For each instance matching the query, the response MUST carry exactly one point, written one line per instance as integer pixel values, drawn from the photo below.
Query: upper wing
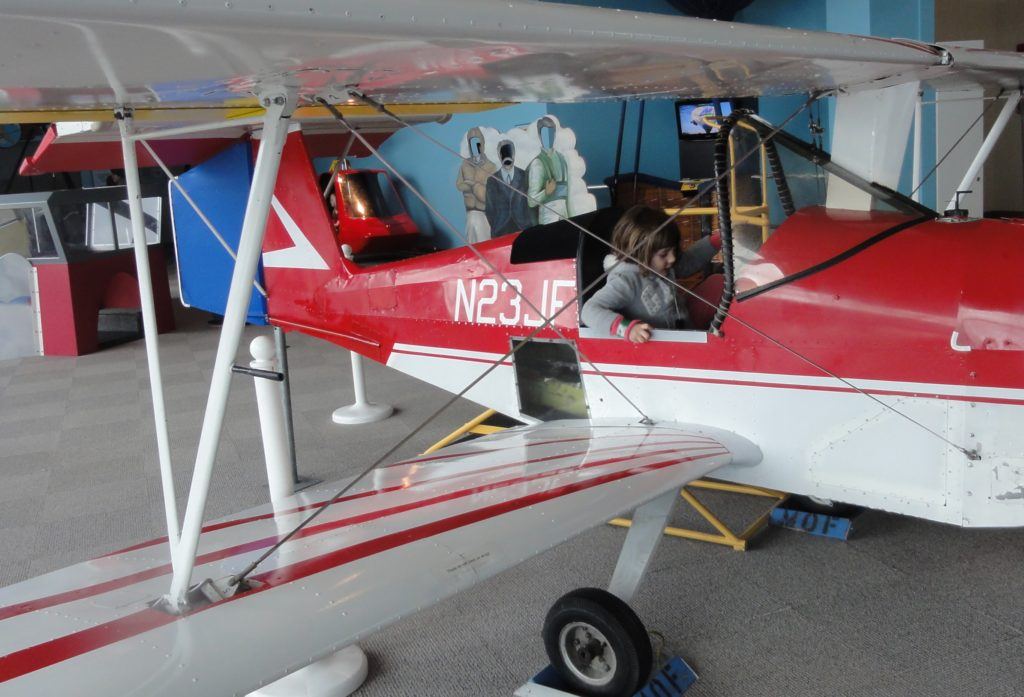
(101, 53)
(420, 531)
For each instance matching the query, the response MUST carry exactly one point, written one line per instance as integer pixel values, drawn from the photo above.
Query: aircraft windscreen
(370, 195)
(784, 178)
(102, 226)
(25, 231)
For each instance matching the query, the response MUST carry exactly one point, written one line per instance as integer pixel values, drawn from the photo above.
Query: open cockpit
(783, 210)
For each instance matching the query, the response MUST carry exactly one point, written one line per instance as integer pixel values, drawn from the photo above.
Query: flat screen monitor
(690, 116)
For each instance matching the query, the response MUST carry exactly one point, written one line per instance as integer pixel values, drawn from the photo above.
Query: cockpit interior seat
(710, 289)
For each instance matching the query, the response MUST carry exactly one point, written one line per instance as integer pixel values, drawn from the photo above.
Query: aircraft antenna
(703, 189)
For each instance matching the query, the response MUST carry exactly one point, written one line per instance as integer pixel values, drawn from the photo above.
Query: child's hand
(640, 333)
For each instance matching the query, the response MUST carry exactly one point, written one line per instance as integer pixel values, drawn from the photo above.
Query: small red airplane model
(855, 352)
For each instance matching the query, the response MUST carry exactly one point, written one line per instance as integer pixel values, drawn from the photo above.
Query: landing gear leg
(642, 541)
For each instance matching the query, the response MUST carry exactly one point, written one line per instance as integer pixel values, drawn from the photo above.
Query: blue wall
(911, 19)
(596, 124)
(433, 171)
(597, 131)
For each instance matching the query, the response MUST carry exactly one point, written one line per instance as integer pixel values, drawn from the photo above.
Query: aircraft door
(548, 380)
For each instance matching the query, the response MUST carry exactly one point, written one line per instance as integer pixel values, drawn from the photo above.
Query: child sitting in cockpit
(634, 300)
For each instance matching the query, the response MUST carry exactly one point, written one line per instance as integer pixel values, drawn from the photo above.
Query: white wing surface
(418, 532)
(76, 54)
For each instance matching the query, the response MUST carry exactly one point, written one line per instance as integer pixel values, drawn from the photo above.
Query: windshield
(369, 195)
(25, 231)
(780, 178)
(105, 225)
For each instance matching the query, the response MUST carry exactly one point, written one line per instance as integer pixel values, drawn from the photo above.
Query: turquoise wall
(910, 19)
(596, 124)
(597, 131)
(433, 170)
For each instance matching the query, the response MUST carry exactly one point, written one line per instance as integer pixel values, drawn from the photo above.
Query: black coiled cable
(724, 219)
(779, 175)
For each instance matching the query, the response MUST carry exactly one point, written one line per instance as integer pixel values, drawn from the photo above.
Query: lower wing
(403, 539)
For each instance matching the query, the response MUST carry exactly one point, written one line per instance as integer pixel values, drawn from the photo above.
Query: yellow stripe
(236, 111)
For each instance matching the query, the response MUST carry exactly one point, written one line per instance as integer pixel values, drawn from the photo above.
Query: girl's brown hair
(640, 232)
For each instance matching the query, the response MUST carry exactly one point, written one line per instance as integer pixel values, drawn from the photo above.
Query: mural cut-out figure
(472, 182)
(548, 175)
(507, 209)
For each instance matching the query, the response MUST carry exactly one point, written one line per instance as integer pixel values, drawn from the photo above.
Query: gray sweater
(628, 295)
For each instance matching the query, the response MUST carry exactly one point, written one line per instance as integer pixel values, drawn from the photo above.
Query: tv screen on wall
(690, 117)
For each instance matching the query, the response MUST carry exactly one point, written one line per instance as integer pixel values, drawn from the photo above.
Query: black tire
(587, 621)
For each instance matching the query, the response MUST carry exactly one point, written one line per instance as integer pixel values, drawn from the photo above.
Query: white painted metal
(870, 139)
(160, 53)
(18, 307)
(841, 449)
(420, 531)
(145, 281)
(968, 182)
(37, 311)
(173, 179)
(338, 675)
(362, 411)
(272, 424)
(642, 540)
(279, 106)
(199, 128)
(958, 141)
(915, 177)
(532, 689)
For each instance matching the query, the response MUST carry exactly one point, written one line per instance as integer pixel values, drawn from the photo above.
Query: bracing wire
(970, 454)
(487, 262)
(548, 321)
(240, 577)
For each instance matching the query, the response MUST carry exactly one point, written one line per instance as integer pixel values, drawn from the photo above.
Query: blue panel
(674, 679)
(220, 186)
(818, 524)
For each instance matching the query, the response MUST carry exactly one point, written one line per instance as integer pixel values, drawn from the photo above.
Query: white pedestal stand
(280, 477)
(338, 675)
(362, 412)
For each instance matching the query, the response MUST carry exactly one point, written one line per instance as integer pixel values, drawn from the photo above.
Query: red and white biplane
(853, 353)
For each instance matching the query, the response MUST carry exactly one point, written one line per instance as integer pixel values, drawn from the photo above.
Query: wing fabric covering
(412, 534)
(82, 54)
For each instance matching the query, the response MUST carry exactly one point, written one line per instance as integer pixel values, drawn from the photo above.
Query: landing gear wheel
(597, 644)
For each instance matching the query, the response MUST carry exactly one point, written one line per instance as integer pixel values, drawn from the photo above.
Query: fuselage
(909, 320)
(866, 353)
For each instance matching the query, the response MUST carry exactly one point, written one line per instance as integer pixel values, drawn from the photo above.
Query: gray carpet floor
(903, 608)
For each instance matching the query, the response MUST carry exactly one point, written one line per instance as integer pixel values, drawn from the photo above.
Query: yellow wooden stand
(476, 426)
(725, 535)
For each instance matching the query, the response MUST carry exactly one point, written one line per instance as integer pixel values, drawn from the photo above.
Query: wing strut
(645, 533)
(125, 123)
(279, 106)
